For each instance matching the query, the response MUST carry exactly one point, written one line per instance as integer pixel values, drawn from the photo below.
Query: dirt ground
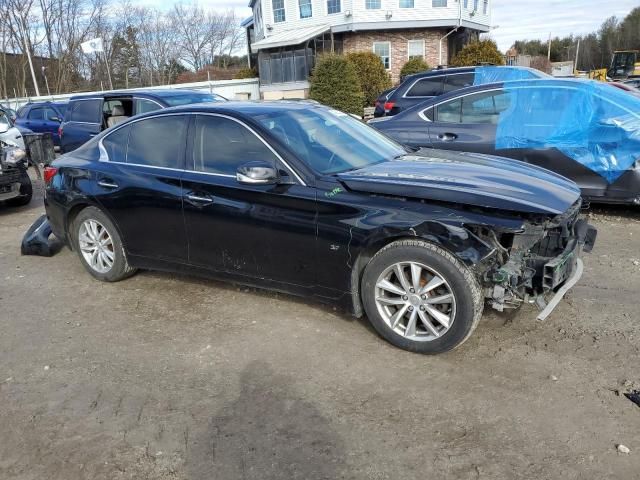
(172, 377)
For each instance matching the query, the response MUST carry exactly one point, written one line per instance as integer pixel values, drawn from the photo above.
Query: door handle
(107, 184)
(199, 200)
(447, 137)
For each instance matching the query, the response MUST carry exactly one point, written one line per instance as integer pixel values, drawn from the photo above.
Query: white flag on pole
(92, 46)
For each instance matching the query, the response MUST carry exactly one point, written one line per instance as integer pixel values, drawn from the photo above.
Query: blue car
(87, 115)
(41, 117)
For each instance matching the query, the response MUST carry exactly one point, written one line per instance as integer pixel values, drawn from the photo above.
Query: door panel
(469, 138)
(266, 232)
(141, 187)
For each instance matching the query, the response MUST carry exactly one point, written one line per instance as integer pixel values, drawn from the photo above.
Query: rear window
(89, 111)
(426, 87)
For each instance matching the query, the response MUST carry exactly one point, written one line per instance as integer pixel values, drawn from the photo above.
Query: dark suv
(88, 115)
(425, 85)
(42, 117)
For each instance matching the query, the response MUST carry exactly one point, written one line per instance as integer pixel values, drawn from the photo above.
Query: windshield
(330, 141)
(186, 99)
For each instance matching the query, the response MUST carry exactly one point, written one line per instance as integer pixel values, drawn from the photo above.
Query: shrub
(478, 52)
(335, 83)
(246, 73)
(372, 76)
(414, 65)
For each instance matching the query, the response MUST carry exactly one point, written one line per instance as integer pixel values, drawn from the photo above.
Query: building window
(333, 6)
(406, 4)
(372, 4)
(475, 5)
(466, 3)
(278, 11)
(415, 48)
(305, 8)
(485, 7)
(383, 50)
(439, 3)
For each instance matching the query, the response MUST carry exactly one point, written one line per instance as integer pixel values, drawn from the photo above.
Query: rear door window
(484, 107)
(87, 111)
(458, 81)
(426, 87)
(449, 112)
(158, 141)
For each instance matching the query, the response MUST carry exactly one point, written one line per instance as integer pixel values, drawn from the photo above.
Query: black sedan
(584, 130)
(304, 199)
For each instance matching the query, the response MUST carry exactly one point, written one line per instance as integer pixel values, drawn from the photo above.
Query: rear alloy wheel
(96, 246)
(420, 297)
(99, 246)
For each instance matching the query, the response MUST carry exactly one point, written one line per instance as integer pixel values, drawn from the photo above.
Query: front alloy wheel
(420, 297)
(415, 301)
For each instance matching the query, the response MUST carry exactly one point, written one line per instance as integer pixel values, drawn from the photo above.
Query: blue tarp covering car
(599, 126)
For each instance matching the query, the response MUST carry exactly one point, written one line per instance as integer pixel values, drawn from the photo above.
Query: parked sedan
(42, 117)
(417, 88)
(300, 198)
(584, 130)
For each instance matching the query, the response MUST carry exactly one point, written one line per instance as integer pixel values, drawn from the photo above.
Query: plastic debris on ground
(634, 396)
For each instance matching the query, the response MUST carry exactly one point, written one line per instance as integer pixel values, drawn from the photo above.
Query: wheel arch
(456, 239)
(75, 210)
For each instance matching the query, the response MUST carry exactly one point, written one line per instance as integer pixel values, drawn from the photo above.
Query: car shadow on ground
(269, 431)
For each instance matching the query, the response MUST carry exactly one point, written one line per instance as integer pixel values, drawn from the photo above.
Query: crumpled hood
(467, 178)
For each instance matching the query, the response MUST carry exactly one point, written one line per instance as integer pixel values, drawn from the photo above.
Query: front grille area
(10, 175)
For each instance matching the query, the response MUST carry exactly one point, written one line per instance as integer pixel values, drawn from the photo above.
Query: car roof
(153, 94)
(240, 108)
(534, 82)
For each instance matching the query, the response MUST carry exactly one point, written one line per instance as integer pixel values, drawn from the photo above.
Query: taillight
(49, 173)
(60, 131)
(388, 106)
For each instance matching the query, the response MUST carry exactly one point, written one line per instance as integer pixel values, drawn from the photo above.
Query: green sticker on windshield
(333, 192)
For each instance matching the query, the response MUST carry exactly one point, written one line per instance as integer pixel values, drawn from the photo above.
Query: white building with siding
(285, 36)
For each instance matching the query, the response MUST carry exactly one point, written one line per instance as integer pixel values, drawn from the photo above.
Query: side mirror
(4, 124)
(257, 173)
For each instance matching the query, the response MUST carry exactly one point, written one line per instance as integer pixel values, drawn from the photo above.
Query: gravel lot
(172, 377)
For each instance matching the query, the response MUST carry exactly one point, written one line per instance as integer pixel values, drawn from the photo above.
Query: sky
(516, 20)
(511, 19)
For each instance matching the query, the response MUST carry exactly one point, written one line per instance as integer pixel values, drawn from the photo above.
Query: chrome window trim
(104, 156)
(404, 95)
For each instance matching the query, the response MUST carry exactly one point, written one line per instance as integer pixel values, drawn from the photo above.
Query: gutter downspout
(452, 31)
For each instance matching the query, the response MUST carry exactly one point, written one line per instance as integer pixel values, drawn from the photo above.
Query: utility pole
(549, 48)
(577, 54)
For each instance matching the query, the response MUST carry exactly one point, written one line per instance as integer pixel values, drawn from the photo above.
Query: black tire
(460, 279)
(26, 192)
(120, 268)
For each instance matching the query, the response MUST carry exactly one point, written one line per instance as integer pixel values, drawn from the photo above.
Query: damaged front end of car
(537, 263)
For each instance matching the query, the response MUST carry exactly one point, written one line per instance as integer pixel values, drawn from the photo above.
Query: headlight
(13, 156)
